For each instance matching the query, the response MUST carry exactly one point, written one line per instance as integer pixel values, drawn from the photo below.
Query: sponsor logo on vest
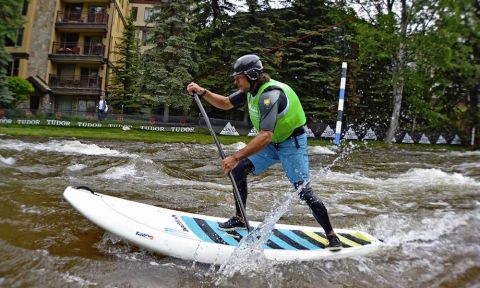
(144, 235)
(230, 130)
(88, 124)
(28, 122)
(58, 122)
(6, 121)
(253, 111)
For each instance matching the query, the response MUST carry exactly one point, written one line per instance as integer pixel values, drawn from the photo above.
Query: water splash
(234, 147)
(320, 150)
(8, 161)
(248, 257)
(69, 278)
(345, 151)
(63, 146)
(76, 167)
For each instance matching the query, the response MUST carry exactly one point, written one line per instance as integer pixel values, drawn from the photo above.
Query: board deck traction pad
(283, 239)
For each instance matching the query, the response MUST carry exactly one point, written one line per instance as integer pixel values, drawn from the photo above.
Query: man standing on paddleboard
(277, 114)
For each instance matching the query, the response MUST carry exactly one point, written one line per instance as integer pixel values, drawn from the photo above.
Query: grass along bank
(201, 137)
(109, 134)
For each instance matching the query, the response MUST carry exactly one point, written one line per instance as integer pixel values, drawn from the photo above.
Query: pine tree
(250, 32)
(212, 21)
(311, 64)
(125, 93)
(172, 62)
(10, 21)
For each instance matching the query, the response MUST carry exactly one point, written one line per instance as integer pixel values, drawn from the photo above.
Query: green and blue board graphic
(284, 239)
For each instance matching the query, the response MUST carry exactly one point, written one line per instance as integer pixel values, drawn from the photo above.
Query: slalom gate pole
(236, 194)
(341, 99)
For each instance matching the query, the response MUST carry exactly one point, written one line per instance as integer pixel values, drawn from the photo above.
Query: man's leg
(254, 164)
(294, 157)
(240, 173)
(319, 210)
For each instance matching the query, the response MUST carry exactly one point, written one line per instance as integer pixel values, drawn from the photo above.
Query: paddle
(236, 194)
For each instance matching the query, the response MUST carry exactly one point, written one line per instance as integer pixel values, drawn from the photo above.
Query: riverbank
(200, 137)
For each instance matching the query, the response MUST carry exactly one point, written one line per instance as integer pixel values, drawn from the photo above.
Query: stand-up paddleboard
(197, 237)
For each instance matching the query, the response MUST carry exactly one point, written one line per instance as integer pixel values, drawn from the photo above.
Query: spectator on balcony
(102, 108)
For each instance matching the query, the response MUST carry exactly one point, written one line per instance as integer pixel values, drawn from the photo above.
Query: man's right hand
(195, 88)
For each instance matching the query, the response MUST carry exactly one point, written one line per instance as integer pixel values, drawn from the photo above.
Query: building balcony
(75, 85)
(74, 52)
(82, 22)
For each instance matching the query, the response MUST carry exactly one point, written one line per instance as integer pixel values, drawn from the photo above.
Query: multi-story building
(66, 49)
(142, 11)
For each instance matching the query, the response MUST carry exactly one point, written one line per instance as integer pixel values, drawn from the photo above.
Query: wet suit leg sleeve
(319, 210)
(240, 173)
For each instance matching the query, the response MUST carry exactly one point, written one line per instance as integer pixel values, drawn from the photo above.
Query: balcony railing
(78, 48)
(87, 18)
(75, 82)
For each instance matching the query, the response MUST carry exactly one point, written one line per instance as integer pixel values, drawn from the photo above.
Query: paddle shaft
(236, 194)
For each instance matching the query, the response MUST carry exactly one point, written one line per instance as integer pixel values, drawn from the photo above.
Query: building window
(73, 12)
(148, 14)
(13, 67)
(135, 13)
(25, 7)
(18, 39)
(86, 105)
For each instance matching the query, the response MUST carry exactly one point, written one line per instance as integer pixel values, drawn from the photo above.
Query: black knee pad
(306, 194)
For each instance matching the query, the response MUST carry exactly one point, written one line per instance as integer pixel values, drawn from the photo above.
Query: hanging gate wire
(302, 38)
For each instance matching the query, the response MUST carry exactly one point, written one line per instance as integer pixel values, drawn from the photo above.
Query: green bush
(21, 89)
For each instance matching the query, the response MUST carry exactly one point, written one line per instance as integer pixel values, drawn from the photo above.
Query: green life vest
(294, 118)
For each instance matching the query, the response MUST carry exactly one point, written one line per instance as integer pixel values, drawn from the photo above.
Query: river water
(424, 204)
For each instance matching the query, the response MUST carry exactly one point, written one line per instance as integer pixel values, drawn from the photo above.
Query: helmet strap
(253, 86)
